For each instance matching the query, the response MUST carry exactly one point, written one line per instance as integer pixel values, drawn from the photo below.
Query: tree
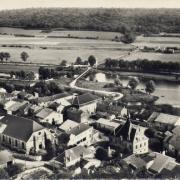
(78, 61)
(92, 60)
(117, 82)
(133, 83)
(150, 87)
(63, 63)
(7, 56)
(101, 154)
(128, 38)
(24, 56)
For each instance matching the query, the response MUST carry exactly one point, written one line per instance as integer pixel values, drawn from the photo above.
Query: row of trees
(149, 86)
(22, 75)
(4, 56)
(143, 65)
(99, 19)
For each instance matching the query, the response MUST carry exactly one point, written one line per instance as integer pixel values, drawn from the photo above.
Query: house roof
(68, 125)
(176, 130)
(108, 123)
(160, 161)
(52, 98)
(84, 99)
(44, 113)
(16, 106)
(167, 119)
(135, 161)
(5, 156)
(79, 129)
(129, 130)
(77, 152)
(175, 141)
(19, 127)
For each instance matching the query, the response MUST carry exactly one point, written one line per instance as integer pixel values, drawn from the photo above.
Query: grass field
(157, 41)
(154, 56)
(82, 34)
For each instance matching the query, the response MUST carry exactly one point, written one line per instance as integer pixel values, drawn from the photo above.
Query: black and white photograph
(89, 89)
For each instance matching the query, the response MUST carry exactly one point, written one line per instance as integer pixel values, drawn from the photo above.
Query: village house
(47, 115)
(23, 134)
(74, 155)
(81, 135)
(13, 107)
(75, 114)
(47, 100)
(6, 159)
(172, 143)
(153, 162)
(86, 102)
(107, 125)
(164, 121)
(68, 125)
(133, 138)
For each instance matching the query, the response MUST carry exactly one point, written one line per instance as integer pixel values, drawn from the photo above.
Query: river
(168, 92)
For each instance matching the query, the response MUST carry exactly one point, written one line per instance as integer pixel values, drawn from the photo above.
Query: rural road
(116, 95)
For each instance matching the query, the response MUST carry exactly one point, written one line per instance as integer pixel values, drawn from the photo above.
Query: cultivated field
(154, 56)
(157, 41)
(82, 34)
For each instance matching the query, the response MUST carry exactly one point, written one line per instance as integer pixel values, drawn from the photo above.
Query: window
(16, 143)
(145, 143)
(136, 147)
(3, 138)
(23, 145)
(10, 141)
(39, 133)
(140, 145)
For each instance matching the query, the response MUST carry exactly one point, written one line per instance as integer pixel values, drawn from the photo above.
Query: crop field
(56, 56)
(81, 34)
(154, 56)
(157, 41)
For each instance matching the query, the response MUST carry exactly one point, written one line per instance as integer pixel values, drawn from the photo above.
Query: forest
(99, 19)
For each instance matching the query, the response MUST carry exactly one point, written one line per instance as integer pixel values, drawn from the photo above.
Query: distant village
(84, 135)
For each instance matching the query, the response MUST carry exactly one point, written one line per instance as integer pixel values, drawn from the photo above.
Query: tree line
(143, 65)
(99, 19)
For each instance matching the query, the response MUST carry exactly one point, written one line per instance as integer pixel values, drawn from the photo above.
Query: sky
(18, 4)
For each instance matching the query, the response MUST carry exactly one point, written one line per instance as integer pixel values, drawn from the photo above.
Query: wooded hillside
(120, 20)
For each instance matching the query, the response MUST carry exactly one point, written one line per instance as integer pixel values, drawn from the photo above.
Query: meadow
(154, 56)
(58, 49)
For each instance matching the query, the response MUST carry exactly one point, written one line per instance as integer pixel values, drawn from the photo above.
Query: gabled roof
(19, 127)
(52, 98)
(79, 129)
(68, 125)
(44, 113)
(175, 141)
(167, 119)
(84, 99)
(160, 161)
(77, 152)
(129, 130)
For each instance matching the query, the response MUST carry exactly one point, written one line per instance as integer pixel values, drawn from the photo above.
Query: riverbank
(145, 76)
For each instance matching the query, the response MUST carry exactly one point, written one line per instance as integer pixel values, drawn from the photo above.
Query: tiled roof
(79, 129)
(135, 161)
(108, 122)
(52, 98)
(77, 152)
(68, 125)
(84, 99)
(175, 141)
(44, 113)
(160, 161)
(167, 119)
(19, 127)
